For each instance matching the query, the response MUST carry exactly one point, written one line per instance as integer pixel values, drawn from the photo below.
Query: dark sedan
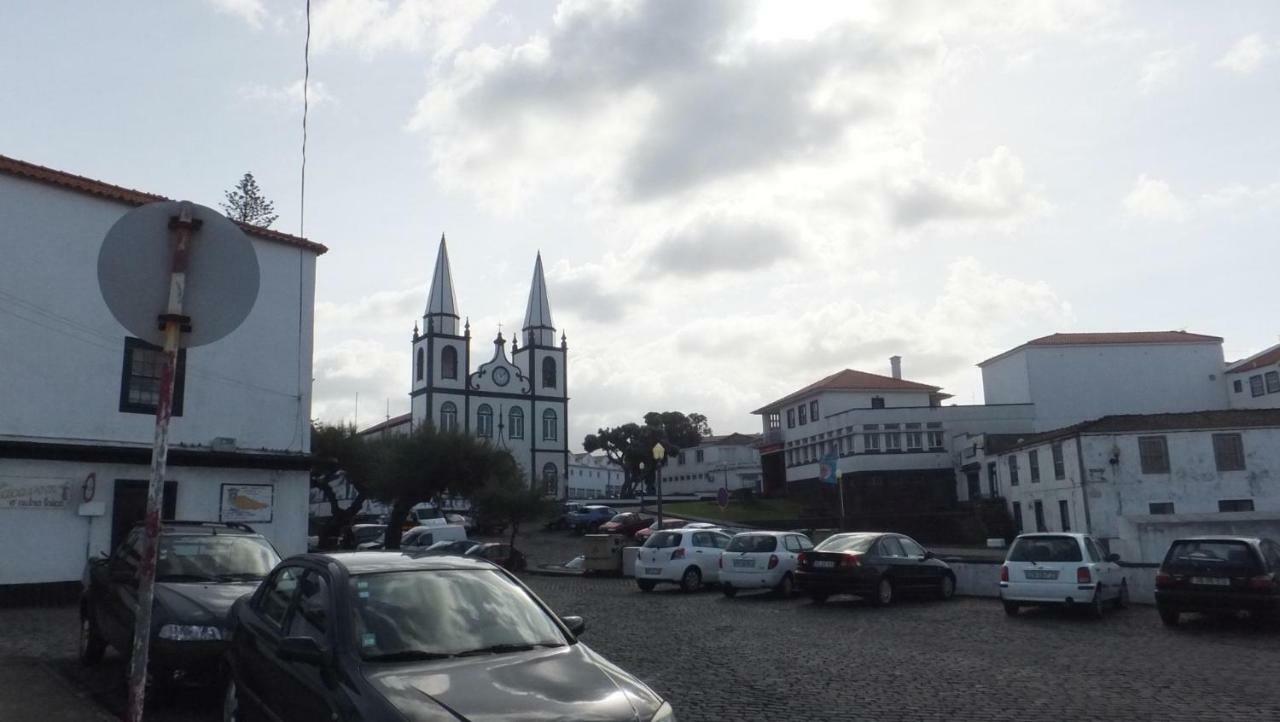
(1219, 574)
(876, 566)
(387, 636)
(201, 570)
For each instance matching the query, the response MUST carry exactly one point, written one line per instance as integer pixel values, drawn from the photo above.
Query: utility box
(629, 555)
(603, 553)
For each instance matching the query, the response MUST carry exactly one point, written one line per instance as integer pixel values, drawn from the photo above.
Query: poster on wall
(247, 503)
(31, 494)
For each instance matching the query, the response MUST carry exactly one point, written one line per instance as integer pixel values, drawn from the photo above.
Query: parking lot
(758, 657)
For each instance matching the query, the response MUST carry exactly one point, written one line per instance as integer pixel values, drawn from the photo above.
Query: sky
(732, 198)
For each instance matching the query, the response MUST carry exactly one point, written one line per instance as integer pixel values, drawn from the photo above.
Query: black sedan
(873, 565)
(388, 636)
(1219, 574)
(201, 570)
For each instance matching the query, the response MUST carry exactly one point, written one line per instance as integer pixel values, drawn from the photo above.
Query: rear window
(1046, 549)
(754, 543)
(1218, 553)
(846, 543)
(664, 540)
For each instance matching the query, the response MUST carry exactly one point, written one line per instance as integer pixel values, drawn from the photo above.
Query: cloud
(587, 292)
(359, 366)
(1159, 71)
(992, 189)
(400, 306)
(713, 244)
(1152, 199)
(253, 12)
(289, 95)
(1244, 197)
(1246, 55)
(375, 26)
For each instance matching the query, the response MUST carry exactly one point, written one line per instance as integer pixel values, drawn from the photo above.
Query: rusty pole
(173, 323)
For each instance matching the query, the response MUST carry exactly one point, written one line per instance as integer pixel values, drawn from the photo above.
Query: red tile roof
(850, 380)
(129, 196)
(1270, 357)
(1110, 339)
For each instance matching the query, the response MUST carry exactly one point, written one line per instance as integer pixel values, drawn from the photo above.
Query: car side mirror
(1113, 558)
(576, 625)
(929, 555)
(300, 649)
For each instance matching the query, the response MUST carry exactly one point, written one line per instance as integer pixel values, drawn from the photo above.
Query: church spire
(538, 326)
(442, 306)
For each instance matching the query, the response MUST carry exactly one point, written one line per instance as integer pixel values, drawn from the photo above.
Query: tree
(509, 500)
(246, 204)
(340, 454)
(630, 445)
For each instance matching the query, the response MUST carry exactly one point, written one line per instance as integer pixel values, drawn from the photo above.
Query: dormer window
(877, 402)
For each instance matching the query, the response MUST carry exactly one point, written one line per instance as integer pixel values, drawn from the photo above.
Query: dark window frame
(1220, 460)
(1033, 461)
(448, 362)
(877, 402)
(131, 345)
(550, 425)
(448, 416)
(1059, 461)
(1235, 505)
(1161, 507)
(1064, 514)
(1017, 516)
(1257, 386)
(802, 414)
(484, 421)
(515, 430)
(1013, 469)
(1037, 506)
(1237, 386)
(1153, 454)
(419, 364)
(813, 409)
(1273, 381)
(550, 372)
(791, 418)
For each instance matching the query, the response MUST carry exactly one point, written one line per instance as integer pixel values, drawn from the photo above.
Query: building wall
(732, 466)
(1244, 398)
(831, 402)
(592, 477)
(1049, 490)
(1007, 380)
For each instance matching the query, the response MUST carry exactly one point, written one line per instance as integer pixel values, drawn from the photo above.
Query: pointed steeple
(538, 326)
(442, 307)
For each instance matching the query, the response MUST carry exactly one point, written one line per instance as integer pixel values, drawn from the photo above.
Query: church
(518, 402)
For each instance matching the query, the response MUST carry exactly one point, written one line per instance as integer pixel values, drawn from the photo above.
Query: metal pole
(172, 321)
(657, 469)
(840, 486)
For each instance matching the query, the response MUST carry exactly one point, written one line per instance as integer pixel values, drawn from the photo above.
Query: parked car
(561, 520)
(401, 637)
(461, 546)
(762, 560)
(201, 569)
(643, 535)
(879, 567)
(1061, 569)
(500, 553)
(590, 517)
(689, 558)
(626, 524)
(368, 537)
(421, 537)
(1219, 574)
(461, 520)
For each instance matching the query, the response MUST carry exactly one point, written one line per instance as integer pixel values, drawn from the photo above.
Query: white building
(1254, 382)
(593, 476)
(729, 461)
(78, 400)
(1139, 481)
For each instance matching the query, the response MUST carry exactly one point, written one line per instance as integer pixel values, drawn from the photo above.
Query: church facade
(519, 402)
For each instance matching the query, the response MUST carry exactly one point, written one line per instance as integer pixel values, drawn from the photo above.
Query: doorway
(129, 506)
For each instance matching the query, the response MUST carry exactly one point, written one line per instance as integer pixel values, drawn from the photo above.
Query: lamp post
(658, 453)
(642, 487)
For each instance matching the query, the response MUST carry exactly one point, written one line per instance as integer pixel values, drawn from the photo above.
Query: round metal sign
(135, 264)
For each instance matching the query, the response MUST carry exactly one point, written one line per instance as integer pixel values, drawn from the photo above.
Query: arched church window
(515, 423)
(418, 364)
(550, 425)
(548, 373)
(550, 482)
(484, 421)
(449, 362)
(448, 416)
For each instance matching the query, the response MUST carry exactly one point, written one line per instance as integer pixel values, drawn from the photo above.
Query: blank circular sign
(136, 261)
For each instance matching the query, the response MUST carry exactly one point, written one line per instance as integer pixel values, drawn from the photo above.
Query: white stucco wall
(1007, 380)
(735, 466)
(1049, 490)
(1244, 399)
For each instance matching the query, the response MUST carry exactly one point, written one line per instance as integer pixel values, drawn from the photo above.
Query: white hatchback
(688, 557)
(1061, 568)
(761, 560)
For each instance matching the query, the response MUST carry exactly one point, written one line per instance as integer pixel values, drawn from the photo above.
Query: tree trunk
(341, 519)
(515, 527)
(395, 522)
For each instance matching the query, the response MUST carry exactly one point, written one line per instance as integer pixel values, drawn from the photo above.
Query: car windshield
(191, 557)
(754, 543)
(1046, 549)
(664, 540)
(425, 614)
(846, 543)
(369, 534)
(1217, 552)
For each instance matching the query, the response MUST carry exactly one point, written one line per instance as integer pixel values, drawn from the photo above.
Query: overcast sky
(732, 199)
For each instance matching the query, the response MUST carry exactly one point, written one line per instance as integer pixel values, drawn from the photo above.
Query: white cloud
(1241, 197)
(1159, 70)
(364, 367)
(1246, 55)
(289, 95)
(992, 189)
(374, 26)
(1152, 199)
(253, 12)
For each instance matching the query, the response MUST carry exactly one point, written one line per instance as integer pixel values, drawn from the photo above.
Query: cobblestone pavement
(758, 657)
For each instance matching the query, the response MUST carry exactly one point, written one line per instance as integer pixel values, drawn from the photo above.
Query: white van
(421, 537)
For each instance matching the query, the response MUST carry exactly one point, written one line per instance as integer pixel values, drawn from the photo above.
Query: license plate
(653, 570)
(1041, 574)
(824, 564)
(1212, 581)
(744, 562)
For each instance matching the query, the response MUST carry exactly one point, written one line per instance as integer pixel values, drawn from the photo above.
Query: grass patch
(755, 510)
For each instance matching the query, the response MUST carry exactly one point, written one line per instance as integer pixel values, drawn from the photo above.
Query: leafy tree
(510, 500)
(340, 454)
(632, 444)
(245, 203)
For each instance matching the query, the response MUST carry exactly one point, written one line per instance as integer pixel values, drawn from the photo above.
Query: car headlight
(664, 714)
(190, 633)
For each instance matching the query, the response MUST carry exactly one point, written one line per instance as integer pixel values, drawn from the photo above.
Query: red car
(643, 535)
(626, 524)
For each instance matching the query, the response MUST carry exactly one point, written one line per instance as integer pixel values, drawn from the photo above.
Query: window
(1039, 508)
(275, 599)
(871, 442)
(910, 547)
(698, 456)
(680, 459)
(550, 425)
(1228, 452)
(548, 373)
(1160, 507)
(892, 441)
(515, 423)
(915, 440)
(1237, 385)
(1256, 386)
(140, 378)
(1273, 382)
(992, 481)
(1046, 549)
(1091, 547)
(877, 402)
(1013, 470)
(1033, 458)
(418, 364)
(1063, 515)
(448, 416)
(813, 409)
(1017, 516)
(935, 440)
(1235, 505)
(1153, 454)
(449, 362)
(311, 615)
(800, 411)
(891, 547)
(791, 418)
(1059, 467)
(550, 482)
(774, 420)
(484, 421)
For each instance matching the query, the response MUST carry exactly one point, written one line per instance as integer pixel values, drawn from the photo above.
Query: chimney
(895, 366)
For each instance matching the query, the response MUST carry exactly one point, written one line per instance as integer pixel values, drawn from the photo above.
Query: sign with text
(20, 493)
(247, 503)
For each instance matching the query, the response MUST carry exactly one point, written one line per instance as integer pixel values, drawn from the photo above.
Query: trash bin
(603, 553)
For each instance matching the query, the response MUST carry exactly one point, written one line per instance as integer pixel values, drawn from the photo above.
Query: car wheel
(1096, 607)
(729, 591)
(92, 645)
(1169, 617)
(231, 703)
(947, 587)
(691, 581)
(1011, 608)
(883, 596)
(785, 587)
(818, 597)
(646, 585)
(1122, 599)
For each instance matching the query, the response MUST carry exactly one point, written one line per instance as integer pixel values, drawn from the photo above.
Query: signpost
(178, 275)
(722, 497)
(829, 473)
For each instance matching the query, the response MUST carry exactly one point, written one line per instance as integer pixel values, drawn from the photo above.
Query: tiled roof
(1270, 357)
(129, 196)
(1188, 421)
(734, 439)
(850, 380)
(1111, 339)
(389, 423)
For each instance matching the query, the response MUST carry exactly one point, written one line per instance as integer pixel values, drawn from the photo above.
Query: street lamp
(642, 487)
(658, 453)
